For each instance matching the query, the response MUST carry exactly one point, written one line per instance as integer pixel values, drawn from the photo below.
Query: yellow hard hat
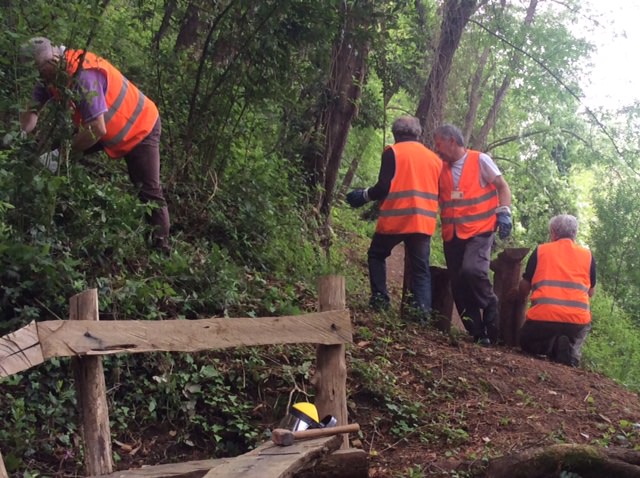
(302, 415)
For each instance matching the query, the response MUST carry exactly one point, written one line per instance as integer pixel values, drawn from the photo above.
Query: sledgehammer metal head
(284, 437)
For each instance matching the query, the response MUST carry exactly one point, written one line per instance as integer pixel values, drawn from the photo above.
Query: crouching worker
(111, 114)
(561, 277)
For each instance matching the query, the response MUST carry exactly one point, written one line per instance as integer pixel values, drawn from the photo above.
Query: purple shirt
(91, 86)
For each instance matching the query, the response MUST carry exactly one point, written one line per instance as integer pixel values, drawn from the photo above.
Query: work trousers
(418, 249)
(468, 264)
(539, 337)
(143, 165)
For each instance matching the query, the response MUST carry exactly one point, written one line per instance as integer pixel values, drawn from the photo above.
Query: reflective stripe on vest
(130, 115)
(411, 206)
(560, 284)
(472, 214)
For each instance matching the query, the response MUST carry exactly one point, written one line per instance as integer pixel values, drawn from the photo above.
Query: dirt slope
(479, 402)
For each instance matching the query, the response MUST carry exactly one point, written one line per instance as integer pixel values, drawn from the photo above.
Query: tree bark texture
(348, 73)
(455, 17)
(584, 460)
(189, 28)
(344, 88)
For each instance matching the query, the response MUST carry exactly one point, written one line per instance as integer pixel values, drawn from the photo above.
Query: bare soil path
(481, 402)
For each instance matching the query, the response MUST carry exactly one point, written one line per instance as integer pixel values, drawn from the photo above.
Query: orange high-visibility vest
(130, 116)
(560, 285)
(412, 203)
(468, 210)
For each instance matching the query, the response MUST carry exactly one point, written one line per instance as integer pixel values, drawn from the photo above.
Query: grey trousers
(468, 264)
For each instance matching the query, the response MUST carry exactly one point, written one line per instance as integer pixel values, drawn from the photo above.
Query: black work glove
(358, 198)
(504, 224)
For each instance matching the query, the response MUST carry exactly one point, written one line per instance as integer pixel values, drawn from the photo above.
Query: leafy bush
(613, 345)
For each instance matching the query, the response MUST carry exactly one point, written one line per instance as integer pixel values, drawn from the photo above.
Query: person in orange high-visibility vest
(474, 201)
(561, 277)
(110, 113)
(408, 190)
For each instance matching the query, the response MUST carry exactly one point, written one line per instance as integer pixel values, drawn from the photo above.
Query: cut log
(350, 463)
(584, 460)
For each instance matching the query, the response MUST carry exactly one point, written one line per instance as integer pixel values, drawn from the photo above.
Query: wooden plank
(272, 461)
(61, 338)
(188, 469)
(91, 393)
(20, 350)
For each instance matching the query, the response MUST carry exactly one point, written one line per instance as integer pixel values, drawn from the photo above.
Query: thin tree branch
(590, 113)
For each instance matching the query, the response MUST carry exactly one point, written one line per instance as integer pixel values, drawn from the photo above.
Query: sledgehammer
(284, 437)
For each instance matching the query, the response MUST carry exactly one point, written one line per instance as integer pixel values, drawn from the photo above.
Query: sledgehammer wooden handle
(284, 437)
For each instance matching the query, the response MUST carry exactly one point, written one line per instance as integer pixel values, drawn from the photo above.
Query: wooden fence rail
(86, 339)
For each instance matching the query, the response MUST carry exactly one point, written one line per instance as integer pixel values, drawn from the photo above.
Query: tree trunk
(188, 34)
(480, 140)
(455, 17)
(169, 8)
(475, 95)
(353, 167)
(344, 88)
(349, 68)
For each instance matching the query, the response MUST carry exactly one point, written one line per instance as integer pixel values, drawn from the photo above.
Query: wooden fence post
(91, 394)
(3, 470)
(507, 268)
(330, 378)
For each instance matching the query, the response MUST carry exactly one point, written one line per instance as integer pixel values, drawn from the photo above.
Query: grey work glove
(50, 160)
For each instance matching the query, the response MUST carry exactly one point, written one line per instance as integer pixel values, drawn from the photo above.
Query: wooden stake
(507, 269)
(91, 393)
(330, 378)
(3, 470)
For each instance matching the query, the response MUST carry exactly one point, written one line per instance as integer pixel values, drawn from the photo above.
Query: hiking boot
(484, 342)
(563, 351)
(379, 303)
(490, 320)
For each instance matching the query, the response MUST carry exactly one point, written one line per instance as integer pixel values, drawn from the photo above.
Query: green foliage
(39, 415)
(613, 346)
(614, 239)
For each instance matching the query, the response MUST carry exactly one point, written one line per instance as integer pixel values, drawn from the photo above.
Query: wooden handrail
(40, 341)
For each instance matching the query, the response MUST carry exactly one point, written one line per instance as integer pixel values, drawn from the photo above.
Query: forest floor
(484, 402)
